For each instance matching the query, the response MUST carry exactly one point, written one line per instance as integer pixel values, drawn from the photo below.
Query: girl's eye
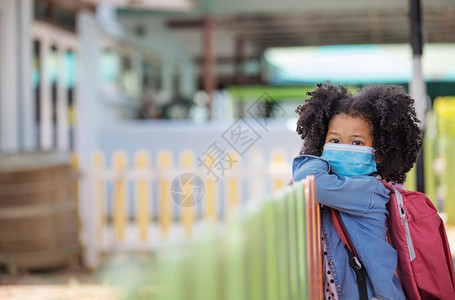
(335, 141)
(357, 143)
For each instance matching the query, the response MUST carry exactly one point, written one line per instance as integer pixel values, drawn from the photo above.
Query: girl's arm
(353, 195)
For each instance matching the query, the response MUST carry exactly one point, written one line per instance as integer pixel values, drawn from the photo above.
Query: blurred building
(159, 53)
(76, 75)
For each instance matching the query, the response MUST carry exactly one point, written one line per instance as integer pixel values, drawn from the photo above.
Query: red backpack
(425, 267)
(417, 233)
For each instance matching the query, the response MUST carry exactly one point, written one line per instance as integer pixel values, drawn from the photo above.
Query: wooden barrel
(38, 216)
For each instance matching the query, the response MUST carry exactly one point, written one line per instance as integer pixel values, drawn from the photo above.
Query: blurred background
(127, 126)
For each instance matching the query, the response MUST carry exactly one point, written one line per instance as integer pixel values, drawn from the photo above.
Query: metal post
(209, 79)
(87, 128)
(417, 86)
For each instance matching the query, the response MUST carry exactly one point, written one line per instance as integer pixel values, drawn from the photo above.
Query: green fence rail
(268, 250)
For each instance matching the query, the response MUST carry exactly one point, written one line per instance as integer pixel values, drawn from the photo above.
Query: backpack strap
(354, 261)
(402, 212)
(387, 185)
(341, 230)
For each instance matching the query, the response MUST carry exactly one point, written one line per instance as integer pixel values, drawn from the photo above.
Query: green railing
(440, 156)
(268, 250)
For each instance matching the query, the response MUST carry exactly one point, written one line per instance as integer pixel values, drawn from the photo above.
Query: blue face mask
(349, 160)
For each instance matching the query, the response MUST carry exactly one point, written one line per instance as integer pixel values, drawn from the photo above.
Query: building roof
(266, 23)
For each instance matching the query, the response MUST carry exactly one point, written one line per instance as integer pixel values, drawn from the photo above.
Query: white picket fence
(130, 206)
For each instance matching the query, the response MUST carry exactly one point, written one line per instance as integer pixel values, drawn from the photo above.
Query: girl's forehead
(344, 122)
(343, 117)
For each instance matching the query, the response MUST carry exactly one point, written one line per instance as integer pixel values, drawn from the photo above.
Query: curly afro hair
(388, 110)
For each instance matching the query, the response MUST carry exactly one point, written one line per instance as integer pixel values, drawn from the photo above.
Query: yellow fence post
(278, 166)
(187, 163)
(212, 207)
(233, 185)
(142, 193)
(164, 164)
(99, 163)
(120, 218)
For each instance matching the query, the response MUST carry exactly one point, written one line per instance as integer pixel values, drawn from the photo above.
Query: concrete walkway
(451, 236)
(56, 285)
(82, 285)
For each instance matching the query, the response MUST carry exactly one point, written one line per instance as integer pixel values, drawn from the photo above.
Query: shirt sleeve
(354, 195)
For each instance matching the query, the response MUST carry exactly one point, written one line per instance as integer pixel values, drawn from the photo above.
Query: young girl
(349, 143)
